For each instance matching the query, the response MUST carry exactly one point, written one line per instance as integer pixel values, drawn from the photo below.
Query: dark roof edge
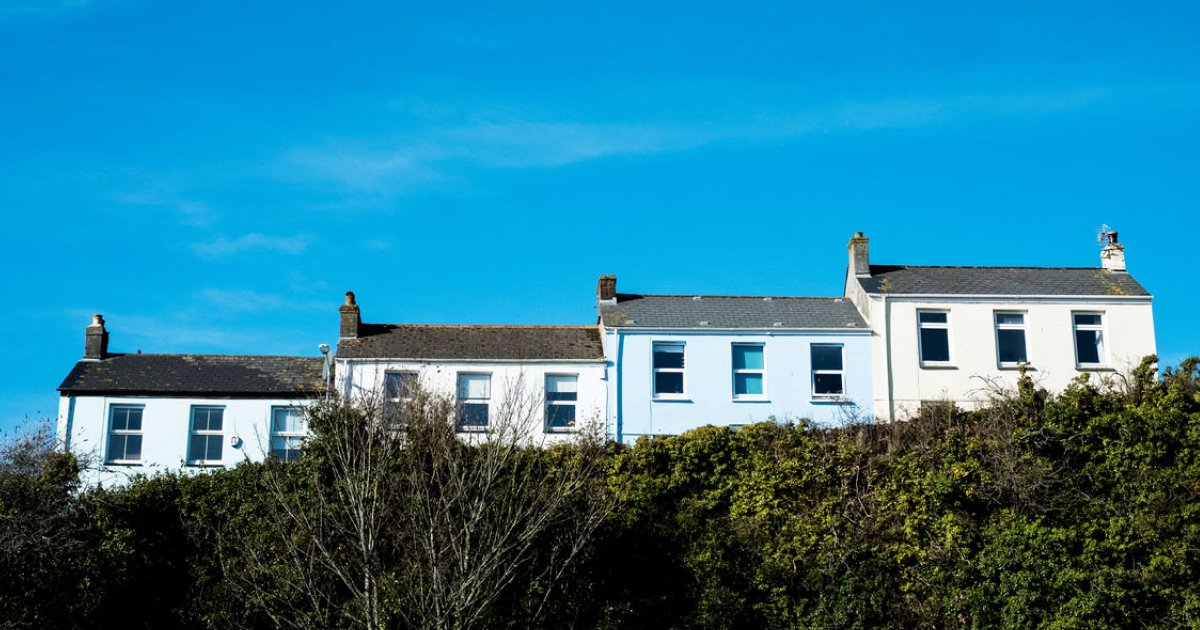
(305, 395)
(735, 297)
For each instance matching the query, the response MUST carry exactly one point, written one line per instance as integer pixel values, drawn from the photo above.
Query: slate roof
(1068, 281)
(199, 374)
(714, 311)
(485, 343)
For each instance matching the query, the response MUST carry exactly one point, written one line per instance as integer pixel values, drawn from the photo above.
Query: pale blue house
(676, 362)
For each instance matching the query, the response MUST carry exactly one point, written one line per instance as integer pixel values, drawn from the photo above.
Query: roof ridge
(522, 326)
(113, 355)
(989, 267)
(744, 297)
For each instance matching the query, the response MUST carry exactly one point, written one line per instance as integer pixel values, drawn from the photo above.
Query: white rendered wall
(509, 379)
(708, 381)
(83, 424)
(975, 370)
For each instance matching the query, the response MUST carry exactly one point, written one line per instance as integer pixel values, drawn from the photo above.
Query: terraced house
(899, 337)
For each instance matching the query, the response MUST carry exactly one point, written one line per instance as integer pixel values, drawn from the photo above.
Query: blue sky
(213, 176)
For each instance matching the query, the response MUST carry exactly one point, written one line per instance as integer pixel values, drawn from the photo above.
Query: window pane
(1011, 346)
(474, 386)
(196, 448)
(748, 384)
(1087, 346)
(560, 415)
(668, 356)
(213, 452)
(1087, 319)
(562, 384)
(473, 415)
(827, 384)
(286, 420)
(399, 384)
(1010, 318)
(935, 344)
(827, 357)
(570, 396)
(932, 318)
(668, 383)
(116, 447)
(133, 447)
(120, 418)
(747, 357)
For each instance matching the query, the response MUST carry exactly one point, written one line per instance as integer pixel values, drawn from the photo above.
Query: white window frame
(192, 432)
(655, 371)
(399, 374)
(921, 326)
(464, 401)
(1023, 327)
(735, 371)
(813, 369)
(288, 436)
(111, 432)
(1102, 334)
(574, 404)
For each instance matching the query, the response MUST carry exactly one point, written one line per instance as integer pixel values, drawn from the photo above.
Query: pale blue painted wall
(633, 411)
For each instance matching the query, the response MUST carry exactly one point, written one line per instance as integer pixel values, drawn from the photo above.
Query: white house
(676, 362)
(956, 333)
(142, 413)
(549, 379)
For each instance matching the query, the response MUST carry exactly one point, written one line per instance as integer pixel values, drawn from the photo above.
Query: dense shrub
(1079, 510)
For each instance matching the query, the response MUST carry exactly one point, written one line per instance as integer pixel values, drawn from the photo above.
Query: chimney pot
(606, 288)
(860, 257)
(96, 339)
(350, 316)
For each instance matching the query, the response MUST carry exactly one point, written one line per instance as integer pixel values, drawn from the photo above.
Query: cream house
(956, 333)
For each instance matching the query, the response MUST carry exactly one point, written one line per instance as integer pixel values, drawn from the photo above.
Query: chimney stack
(350, 317)
(860, 257)
(1112, 257)
(95, 345)
(606, 289)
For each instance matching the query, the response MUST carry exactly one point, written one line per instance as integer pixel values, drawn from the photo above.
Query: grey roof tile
(201, 374)
(1065, 281)
(709, 311)
(496, 343)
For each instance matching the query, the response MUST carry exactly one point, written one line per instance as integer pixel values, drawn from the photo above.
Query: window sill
(471, 429)
(751, 399)
(938, 366)
(123, 463)
(568, 430)
(204, 465)
(1095, 368)
(1018, 366)
(671, 399)
(831, 400)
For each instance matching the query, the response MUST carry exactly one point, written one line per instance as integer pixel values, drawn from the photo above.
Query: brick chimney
(95, 345)
(606, 289)
(860, 257)
(350, 317)
(1112, 257)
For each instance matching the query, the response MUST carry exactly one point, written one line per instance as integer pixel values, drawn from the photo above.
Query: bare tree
(391, 518)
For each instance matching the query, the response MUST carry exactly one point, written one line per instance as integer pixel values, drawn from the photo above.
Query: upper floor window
(399, 386)
(474, 397)
(1010, 339)
(933, 337)
(748, 371)
(204, 444)
(828, 374)
(287, 432)
(125, 435)
(562, 393)
(668, 369)
(1089, 339)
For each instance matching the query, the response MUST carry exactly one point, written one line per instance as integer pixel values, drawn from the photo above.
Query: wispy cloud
(426, 156)
(190, 212)
(181, 331)
(40, 8)
(250, 301)
(224, 246)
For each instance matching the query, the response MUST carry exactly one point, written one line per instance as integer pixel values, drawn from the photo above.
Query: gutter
(887, 335)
